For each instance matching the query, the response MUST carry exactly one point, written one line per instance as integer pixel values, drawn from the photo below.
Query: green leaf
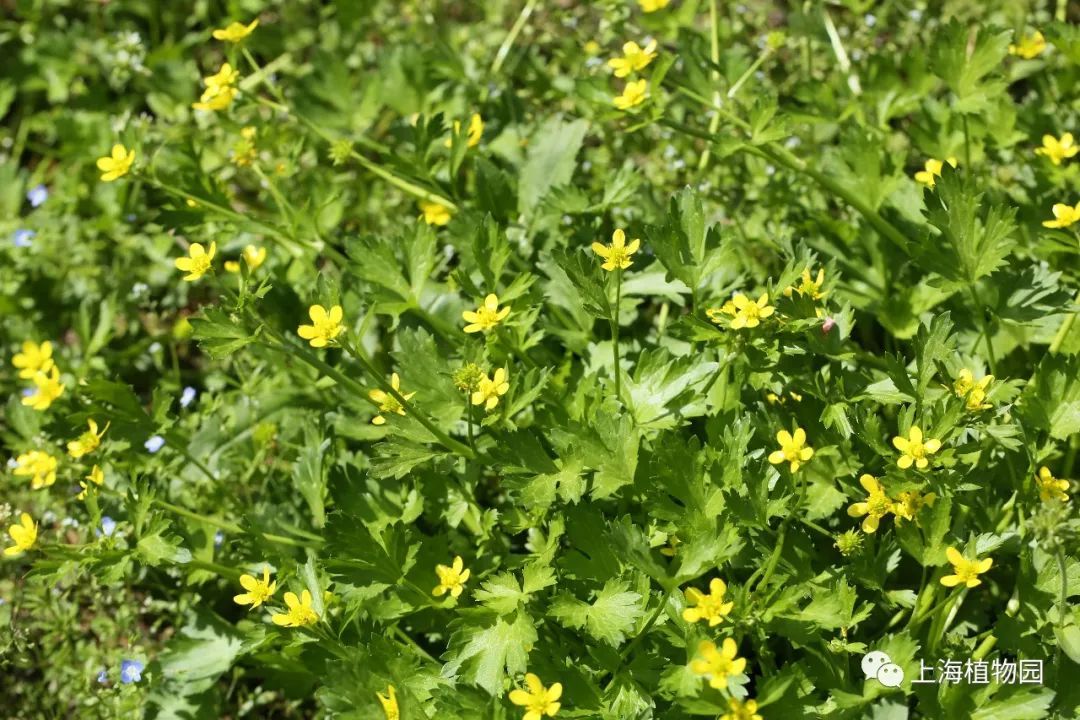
(608, 618)
(967, 57)
(933, 345)
(503, 594)
(203, 650)
(689, 249)
(1051, 401)
(219, 333)
(1031, 703)
(485, 655)
(550, 161)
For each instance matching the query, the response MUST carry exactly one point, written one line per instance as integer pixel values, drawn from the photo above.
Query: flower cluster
(221, 89)
(634, 60)
(906, 505)
(35, 363)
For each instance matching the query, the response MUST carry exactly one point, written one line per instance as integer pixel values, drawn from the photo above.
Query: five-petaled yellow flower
(198, 262)
(633, 94)
(96, 477)
(932, 171)
(808, 285)
(235, 32)
(325, 325)
(1050, 487)
(634, 58)
(966, 571)
(220, 89)
(1058, 150)
(709, 607)
(973, 392)
(538, 701)
(748, 313)
(389, 703)
(47, 388)
(717, 664)
(913, 450)
(451, 579)
(37, 465)
(87, 442)
(653, 5)
(793, 449)
(491, 389)
(617, 255)
(1030, 46)
(909, 503)
(387, 402)
(435, 213)
(741, 710)
(299, 612)
(1064, 215)
(486, 316)
(253, 258)
(24, 535)
(33, 359)
(258, 591)
(472, 139)
(117, 164)
(876, 506)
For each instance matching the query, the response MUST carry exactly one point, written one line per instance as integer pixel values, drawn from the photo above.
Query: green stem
(469, 420)
(615, 336)
(980, 310)
(733, 91)
(1063, 570)
(511, 37)
(714, 55)
(1066, 326)
(967, 144)
(230, 527)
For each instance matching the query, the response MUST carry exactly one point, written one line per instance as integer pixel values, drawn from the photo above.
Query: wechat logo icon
(876, 665)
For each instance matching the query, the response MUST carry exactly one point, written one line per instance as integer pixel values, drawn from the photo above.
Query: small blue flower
(37, 195)
(131, 671)
(187, 397)
(108, 526)
(154, 444)
(219, 538)
(103, 676)
(27, 392)
(23, 238)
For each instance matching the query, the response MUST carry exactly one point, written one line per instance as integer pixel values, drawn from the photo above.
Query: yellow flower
(1058, 150)
(716, 315)
(633, 94)
(23, 535)
(235, 32)
(653, 5)
(451, 579)
(1030, 46)
(1064, 216)
(220, 89)
(387, 402)
(634, 58)
(258, 591)
(116, 165)
(792, 449)
(976, 394)
(476, 131)
(933, 169)
(300, 612)
(37, 465)
(87, 442)
(538, 701)
(876, 506)
(914, 450)
(809, 286)
(486, 316)
(717, 665)
(741, 710)
(199, 261)
(435, 213)
(748, 314)
(47, 389)
(966, 571)
(253, 258)
(617, 255)
(1050, 488)
(491, 389)
(909, 503)
(710, 607)
(33, 359)
(389, 703)
(326, 325)
(96, 477)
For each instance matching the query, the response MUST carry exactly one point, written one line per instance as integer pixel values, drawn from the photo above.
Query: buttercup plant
(631, 360)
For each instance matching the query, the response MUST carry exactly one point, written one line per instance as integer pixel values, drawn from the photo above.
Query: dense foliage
(518, 359)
